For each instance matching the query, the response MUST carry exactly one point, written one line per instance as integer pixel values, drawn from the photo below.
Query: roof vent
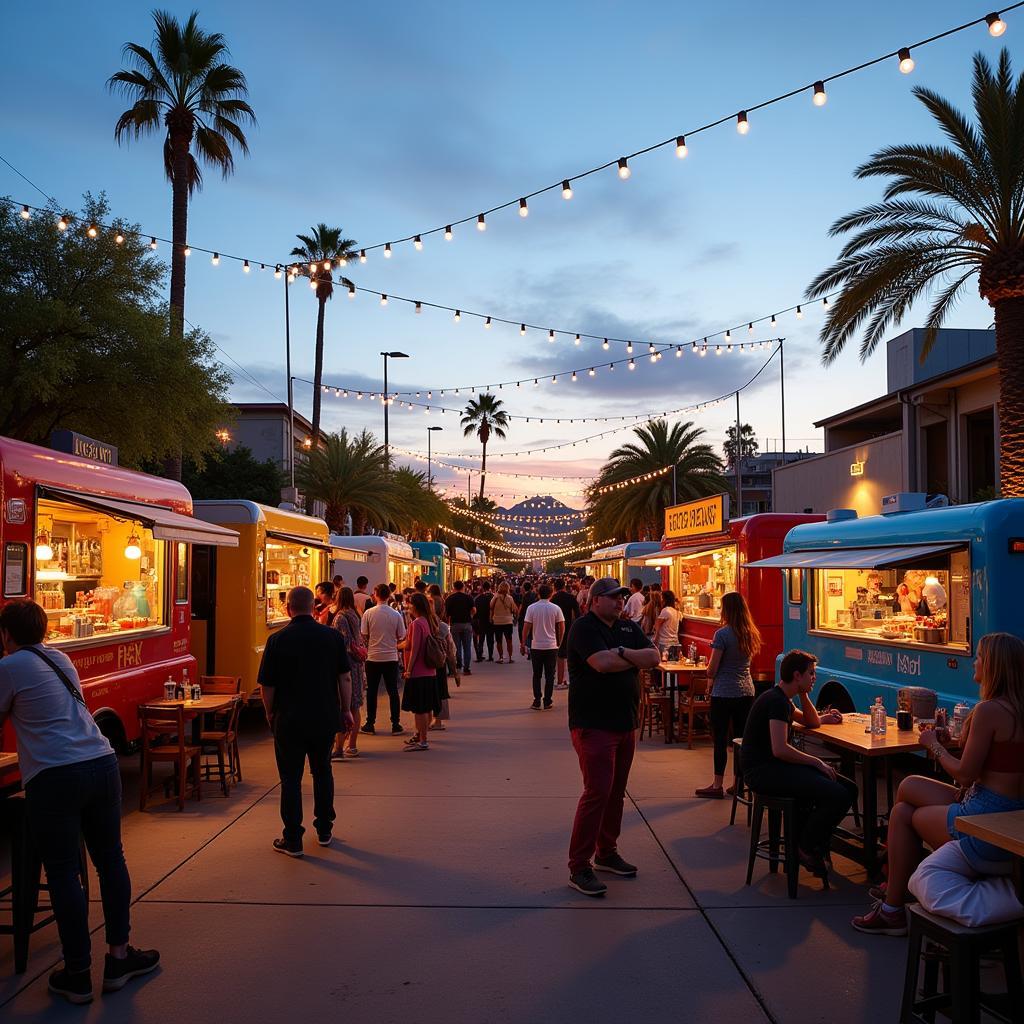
(839, 515)
(905, 501)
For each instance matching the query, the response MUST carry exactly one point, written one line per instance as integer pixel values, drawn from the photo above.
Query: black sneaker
(368, 729)
(397, 730)
(324, 838)
(467, 671)
(535, 705)
(548, 705)
(616, 865)
(74, 986)
(587, 882)
(289, 849)
(116, 973)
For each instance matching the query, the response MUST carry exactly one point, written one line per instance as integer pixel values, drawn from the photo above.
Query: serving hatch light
(133, 550)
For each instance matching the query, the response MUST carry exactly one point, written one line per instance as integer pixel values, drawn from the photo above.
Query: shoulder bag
(61, 675)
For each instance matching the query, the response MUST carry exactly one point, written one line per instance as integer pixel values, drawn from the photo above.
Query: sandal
(500, 662)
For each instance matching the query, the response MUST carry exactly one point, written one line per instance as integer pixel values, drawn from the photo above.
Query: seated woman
(991, 769)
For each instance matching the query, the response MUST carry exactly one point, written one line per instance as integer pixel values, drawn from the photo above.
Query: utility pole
(736, 454)
(782, 397)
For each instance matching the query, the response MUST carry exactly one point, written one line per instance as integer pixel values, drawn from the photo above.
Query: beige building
(935, 430)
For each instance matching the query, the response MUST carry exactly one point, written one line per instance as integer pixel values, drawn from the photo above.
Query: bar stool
(962, 998)
(738, 790)
(780, 846)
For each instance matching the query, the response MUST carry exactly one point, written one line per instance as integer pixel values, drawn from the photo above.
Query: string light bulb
(577, 339)
(906, 61)
(119, 239)
(481, 223)
(604, 344)
(362, 255)
(387, 250)
(383, 300)
(417, 243)
(327, 265)
(188, 250)
(448, 233)
(524, 210)
(351, 291)
(824, 302)
(624, 171)
(458, 316)
(551, 336)
(679, 351)
(522, 329)
(773, 321)
(591, 372)
(152, 243)
(566, 189)
(799, 313)
(820, 98)
(215, 259)
(62, 223)
(25, 213)
(419, 307)
(629, 347)
(632, 365)
(742, 124)
(312, 284)
(245, 267)
(92, 231)
(996, 25)
(487, 323)
(681, 146)
(277, 272)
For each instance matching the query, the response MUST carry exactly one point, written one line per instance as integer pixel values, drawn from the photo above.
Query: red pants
(605, 760)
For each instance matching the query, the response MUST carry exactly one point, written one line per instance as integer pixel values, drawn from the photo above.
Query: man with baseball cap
(606, 653)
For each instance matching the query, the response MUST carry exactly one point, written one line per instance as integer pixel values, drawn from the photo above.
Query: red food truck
(703, 556)
(106, 552)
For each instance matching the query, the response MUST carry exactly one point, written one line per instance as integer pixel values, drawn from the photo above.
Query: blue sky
(392, 119)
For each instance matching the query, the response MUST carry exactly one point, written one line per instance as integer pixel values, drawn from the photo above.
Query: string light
(799, 313)
(458, 316)
(481, 224)
(387, 251)
(681, 147)
(188, 250)
(641, 478)
(487, 323)
(742, 124)
(25, 213)
(566, 190)
(418, 243)
(448, 233)
(62, 222)
(522, 329)
(524, 210)
(383, 300)
(215, 260)
(819, 98)
(245, 267)
(152, 243)
(996, 25)
(906, 61)
(624, 171)
(119, 239)
(362, 255)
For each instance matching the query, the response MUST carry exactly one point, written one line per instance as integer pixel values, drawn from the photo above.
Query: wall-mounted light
(856, 469)
(44, 552)
(132, 549)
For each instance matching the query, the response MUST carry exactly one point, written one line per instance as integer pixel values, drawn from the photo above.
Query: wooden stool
(780, 846)
(962, 999)
(738, 790)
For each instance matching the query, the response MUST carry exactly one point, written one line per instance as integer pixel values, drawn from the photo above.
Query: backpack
(435, 651)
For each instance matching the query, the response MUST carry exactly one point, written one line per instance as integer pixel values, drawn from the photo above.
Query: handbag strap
(61, 675)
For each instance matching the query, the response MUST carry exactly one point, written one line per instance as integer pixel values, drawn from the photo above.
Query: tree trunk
(318, 368)
(179, 239)
(1009, 314)
(485, 433)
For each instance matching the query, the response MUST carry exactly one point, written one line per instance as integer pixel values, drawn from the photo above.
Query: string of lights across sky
(530, 551)
(527, 531)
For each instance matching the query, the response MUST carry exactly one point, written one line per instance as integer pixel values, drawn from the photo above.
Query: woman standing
(434, 593)
(450, 666)
(666, 626)
(420, 695)
(345, 619)
(732, 690)
(503, 614)
(651, 613)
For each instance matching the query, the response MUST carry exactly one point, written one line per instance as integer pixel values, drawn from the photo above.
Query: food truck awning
(852, 558)
(661, 557)
(297, 538)
(165, 524)
(349, 554)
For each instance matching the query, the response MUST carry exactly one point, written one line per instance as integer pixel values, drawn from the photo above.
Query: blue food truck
(614, 561)
(448, 565)
(900, 599)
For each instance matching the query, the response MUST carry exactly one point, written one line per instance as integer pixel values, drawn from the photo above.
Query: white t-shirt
(666, 633)
(544, 617)
(360, 598)
(635, 606)
(51, 727)
(382, 628)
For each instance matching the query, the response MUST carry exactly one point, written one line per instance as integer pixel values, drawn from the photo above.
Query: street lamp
(387, 402)
(430, 479)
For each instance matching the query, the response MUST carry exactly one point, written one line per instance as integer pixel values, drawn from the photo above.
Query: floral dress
(347, 624)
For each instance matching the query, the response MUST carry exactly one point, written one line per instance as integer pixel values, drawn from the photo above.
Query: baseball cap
(608, 587)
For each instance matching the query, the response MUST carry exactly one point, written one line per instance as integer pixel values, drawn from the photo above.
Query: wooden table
(671, 671)
(1004, 829)
(195, 709)
(849, 736)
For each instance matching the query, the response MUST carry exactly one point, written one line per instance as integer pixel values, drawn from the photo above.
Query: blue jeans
(984, 857)
(63, 803)
(462, 634)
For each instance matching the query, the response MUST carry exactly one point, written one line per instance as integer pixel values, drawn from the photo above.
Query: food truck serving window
(289, 564)
(96, 574)
(701, 579)
(925, 602)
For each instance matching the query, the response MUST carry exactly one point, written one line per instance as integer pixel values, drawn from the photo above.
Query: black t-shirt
(302, 662)
(569, 605)
(772, 706)
(459, 607)
(529, 596)
(603, 700)
(483, 608)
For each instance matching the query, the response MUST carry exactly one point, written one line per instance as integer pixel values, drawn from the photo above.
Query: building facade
(756, 476)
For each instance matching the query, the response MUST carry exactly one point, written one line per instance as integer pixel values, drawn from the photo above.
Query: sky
(393, 119)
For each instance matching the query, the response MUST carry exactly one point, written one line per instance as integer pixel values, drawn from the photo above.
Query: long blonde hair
(1001, 656)
(736, 614)
(651, 611)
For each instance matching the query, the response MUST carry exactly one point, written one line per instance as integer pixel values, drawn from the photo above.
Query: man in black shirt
(458, 607)
(482, 628)
(571, 612)
(774, 767)
(605, 653)
(305, 681)
(526, 598)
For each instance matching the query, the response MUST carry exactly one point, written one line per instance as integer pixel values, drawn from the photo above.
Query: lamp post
(430, 478)
(387, 402)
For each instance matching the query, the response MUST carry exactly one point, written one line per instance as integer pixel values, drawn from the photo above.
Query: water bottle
(959, 714)
(878, 719)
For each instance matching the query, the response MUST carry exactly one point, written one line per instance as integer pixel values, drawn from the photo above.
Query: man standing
(305, 684)
(360, 595)
(571, 612)
(635, 602)
(383, 629)
(483, 629)
(458, 607)
(544, 625)
(606, 653)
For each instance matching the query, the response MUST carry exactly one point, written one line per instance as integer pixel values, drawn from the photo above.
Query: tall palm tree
(948, 213)
(185, 87)
(348, 474)
(483, 416)
(638, 510)
(320, 249)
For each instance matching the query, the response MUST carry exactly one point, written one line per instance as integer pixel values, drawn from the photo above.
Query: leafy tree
(748, 444)
(185, 87)
(483, 416)
(637, 510)
(235, 474)
(319, 250)
(419, 511)
(84, 342)
(949, 212)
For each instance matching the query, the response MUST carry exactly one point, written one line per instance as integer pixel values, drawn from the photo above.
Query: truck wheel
(110, 726)
(834, 694)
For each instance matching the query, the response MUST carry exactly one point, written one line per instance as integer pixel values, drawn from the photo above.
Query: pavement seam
(586, 908)
(747, 980)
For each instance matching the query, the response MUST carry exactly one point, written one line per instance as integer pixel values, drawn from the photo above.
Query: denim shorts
(984, 857)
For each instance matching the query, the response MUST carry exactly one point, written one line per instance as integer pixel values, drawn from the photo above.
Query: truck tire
(834, 694)
(111, 727)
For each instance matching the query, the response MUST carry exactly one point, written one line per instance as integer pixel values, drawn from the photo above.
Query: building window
(795, 585)
(936, 458)
(980, 453)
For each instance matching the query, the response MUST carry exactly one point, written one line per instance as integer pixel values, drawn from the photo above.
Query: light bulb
(387, 251)
(277, 272)
(481, 224)
(819, 98)
(799, 313)
(522, 328)
(133, 551)
(245, 267)
(418, 243)
(624, 171)
(906, 61)
(215, 259)
(44, 552)
(554, 379)
(773, 320)
(92, 231)
(604, 344)
(188, 250)
(551, 336)
(25, 213)
(577, 339)
(487, 323)
(457, 317)
(312, 268)
(742, 124)
(327, 264)
(62, 222)
(524, 210)
(654, 357)
(573, 378)
(996, 25)
(383, 300)
(632, 365)
(152, 243)
(342, 262)
(750, 327)
(312, 284)
(362, 255)
(629, 347)
(824, 302)
(718, 350)
(419, 307)
(591, 371)
(351, 291)
(679, 351)
(448, 233)
(119, 239)
(566, 190)
(681, 146)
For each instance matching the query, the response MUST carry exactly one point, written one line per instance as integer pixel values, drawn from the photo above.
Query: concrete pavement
(444, 897)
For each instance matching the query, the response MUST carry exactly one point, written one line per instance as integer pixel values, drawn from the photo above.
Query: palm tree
(186, 88)
(418, 510)
(483, 416)
(638, 509)
(348, 475)
(748, 443)
(471, 525)
(948, 213)
(319, 250)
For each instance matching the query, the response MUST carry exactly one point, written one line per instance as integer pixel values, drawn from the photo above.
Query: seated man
(772, 766)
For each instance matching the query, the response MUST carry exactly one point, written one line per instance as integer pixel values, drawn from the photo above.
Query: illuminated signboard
(694, 518)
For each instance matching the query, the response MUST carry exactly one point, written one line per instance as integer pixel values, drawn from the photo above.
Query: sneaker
(337, 755)
(879, 922)
(561, 686)
(74, 986)
(324, 838)
(288, 849)
(351, 752)
(436, 726)
(710, 793)
(616, 865)
(587, 882)
(535, 705)
(415, 745)
(411, 742)
(116, 973)
(548, 705)
(368, 729)
(397, 730)
(813, 862)
(467, 671)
